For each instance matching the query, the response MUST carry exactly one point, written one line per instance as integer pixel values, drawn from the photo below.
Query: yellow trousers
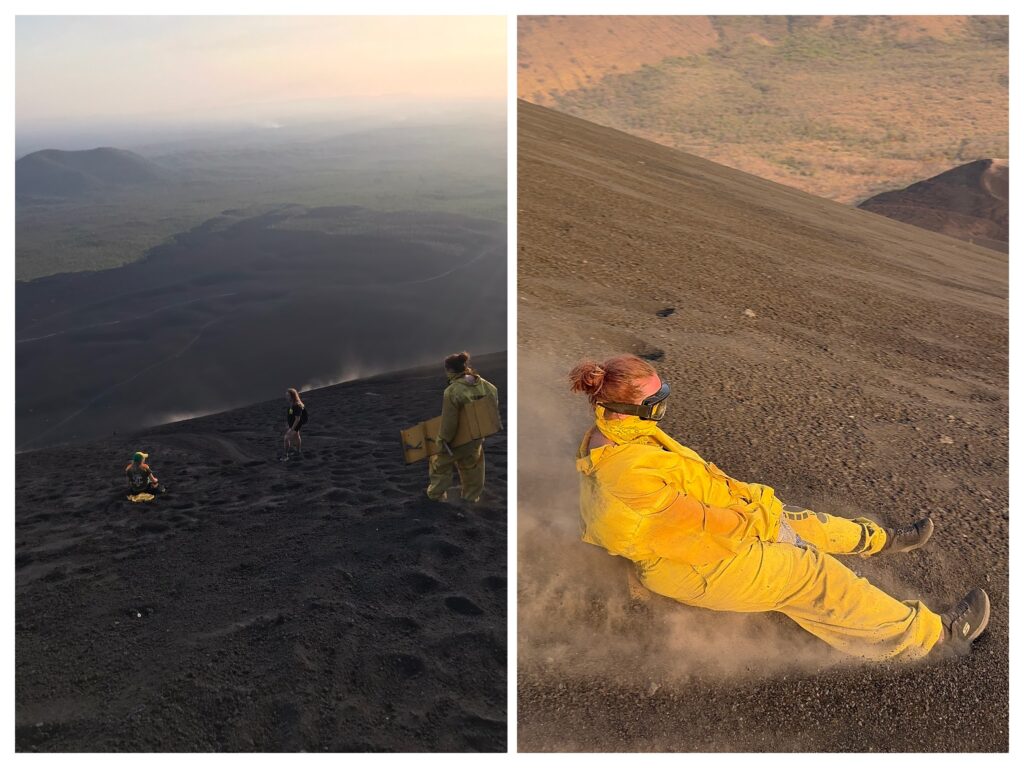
(468, 459)
(809, 585)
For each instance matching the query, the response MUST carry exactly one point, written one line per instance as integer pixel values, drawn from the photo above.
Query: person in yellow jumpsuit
(464, 385)
(703, 538)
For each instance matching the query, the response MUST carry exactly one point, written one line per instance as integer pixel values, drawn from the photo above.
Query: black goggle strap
(629, 409)
(646, 412)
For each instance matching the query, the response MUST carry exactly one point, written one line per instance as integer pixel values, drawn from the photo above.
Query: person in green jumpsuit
(464, 386)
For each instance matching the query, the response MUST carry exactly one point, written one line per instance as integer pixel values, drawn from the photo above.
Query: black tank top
(296, 412)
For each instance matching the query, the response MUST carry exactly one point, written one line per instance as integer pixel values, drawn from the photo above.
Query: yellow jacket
(652, 497)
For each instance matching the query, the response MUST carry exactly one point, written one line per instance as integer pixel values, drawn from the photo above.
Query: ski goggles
(651, 409)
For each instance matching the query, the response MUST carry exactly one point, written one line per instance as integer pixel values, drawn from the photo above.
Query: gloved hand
(788, 536)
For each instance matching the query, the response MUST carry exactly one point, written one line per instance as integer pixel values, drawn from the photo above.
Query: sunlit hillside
(842, 107)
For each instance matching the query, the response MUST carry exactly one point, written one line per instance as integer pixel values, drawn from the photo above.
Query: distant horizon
(138, 133)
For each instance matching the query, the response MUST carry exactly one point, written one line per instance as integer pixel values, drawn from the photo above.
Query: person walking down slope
(704, 539)
(140, 477)
(464, 386)
(297, 416)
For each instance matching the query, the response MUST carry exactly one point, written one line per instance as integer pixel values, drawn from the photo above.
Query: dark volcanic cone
(854, 363)
(970, 202)
(259, 605)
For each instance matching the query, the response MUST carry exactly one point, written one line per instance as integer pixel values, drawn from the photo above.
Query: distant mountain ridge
(56, 173)
(969, 202)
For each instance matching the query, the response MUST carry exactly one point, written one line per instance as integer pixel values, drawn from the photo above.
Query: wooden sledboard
(478, 418)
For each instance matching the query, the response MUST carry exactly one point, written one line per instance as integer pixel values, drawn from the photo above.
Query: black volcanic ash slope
(55, 173)
(869, 378)
(259, 605)
(240, 308)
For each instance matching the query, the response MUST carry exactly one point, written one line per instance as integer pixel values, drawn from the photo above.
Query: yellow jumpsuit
(707, 540)
(468, 459)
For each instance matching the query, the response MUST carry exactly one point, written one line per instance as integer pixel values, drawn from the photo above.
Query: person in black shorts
(140, 477)
(297, 416)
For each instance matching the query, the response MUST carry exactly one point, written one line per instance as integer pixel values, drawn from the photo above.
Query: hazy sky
(77, 68)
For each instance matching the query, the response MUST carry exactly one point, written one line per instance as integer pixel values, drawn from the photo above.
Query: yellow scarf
(633, 429)
(626, 429)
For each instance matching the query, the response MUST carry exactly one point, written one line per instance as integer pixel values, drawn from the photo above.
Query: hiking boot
(906, 538)
(966, 620)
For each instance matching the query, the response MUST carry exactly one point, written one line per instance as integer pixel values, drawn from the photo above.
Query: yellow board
(478, 418)
(141, 497)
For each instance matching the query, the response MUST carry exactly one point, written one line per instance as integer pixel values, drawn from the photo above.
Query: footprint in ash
(152, 526)
(421, 583)
(444, 548)
(339, 495)
(402, 665)
(462, 606)
(402, 625)
(494, 583)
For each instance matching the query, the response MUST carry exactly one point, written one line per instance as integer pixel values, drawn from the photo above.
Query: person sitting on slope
(140, 477)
